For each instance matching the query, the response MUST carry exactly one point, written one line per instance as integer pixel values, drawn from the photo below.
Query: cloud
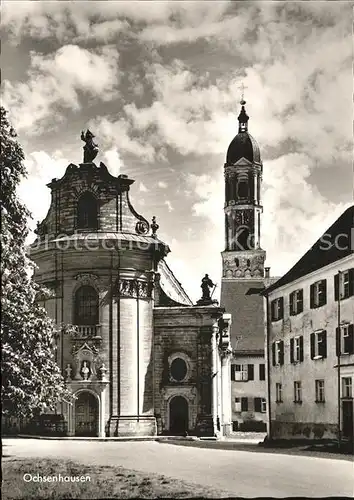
(162, 184)
(56, 82)
(64, 20)
(32, 190)
(118, 132)
(142, 187)
(169, 205)
(114, 161)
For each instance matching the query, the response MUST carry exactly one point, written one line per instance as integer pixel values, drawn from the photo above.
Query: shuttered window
(277, 309)
(297, 349)
(296, 302)
(318, 294)
(344, 288)
(244, 404)
(318, 344)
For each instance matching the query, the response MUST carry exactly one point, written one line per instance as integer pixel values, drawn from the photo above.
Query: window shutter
(272, 310)
(336, 286)
(301, 348)
(273, 354)
(323, 287)
(257, 405)
(312, 344)
(281, 308)
(351, 282)
(262, 371)
(301, 301)
(312, 296)
(291, 304)
(338, 349)
(244, 404)
(323, 345)
(291, 350)
(351, 339)
(232, 372)
(250, 372)
(281, 353)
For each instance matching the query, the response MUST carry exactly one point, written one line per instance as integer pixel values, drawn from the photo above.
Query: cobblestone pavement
(242, 473)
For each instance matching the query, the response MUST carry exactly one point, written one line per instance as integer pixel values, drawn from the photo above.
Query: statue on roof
(205, 286)
(90, 148)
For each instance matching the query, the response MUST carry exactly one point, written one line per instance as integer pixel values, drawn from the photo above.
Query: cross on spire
(243, 87)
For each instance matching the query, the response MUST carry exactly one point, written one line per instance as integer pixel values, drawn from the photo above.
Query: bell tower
(243, 256)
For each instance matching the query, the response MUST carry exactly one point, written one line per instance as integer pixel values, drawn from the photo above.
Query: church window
(243, 239)
(86, 306)
(178, 369)
(237, 262)
(87, 212)
(248, 263)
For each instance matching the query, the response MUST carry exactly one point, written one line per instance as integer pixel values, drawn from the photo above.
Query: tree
(31, 378)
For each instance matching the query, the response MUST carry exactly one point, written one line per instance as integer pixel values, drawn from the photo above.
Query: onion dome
(243, 145)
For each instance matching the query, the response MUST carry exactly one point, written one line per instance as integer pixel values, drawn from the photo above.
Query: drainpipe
(214, 400)
(268, 360)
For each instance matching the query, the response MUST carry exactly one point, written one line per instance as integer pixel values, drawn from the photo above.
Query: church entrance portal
(86, 415)
(178, 415)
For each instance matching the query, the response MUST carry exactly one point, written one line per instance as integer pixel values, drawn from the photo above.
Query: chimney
(267, 272)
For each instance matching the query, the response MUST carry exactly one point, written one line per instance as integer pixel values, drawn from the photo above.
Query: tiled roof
(327, 249)
(242, 299)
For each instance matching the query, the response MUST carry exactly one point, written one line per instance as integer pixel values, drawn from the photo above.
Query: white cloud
(142, 187)
(32, 190)
(162, 184)
(54, 84)
(114, 161)
(118, 133)
(169, 205)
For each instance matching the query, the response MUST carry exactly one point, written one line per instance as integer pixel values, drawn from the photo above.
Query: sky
(159, 84)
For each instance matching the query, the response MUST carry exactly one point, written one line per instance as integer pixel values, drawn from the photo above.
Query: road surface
(242, 473)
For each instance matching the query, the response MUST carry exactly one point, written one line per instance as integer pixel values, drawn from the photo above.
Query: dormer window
(87, 212)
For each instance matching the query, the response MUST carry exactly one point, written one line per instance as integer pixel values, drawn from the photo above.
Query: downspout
(268, 357)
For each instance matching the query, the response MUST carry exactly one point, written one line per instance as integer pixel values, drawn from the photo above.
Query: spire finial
(243, 87)
(243, 117)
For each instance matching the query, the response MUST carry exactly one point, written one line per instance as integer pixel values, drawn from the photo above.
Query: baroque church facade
(142, 359)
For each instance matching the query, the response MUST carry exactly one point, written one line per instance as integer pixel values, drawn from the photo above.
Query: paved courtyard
(242, 473)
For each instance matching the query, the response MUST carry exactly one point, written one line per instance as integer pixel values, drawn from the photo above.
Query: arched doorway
(178, 415)
(86, 414)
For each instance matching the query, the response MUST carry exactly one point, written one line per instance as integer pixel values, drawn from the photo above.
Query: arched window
(237, 262)
(243, 239)
(242, 189)
(86, 306)
(87, 212)
(248, 263)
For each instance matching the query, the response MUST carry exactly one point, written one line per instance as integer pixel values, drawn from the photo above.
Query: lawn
(105, 482)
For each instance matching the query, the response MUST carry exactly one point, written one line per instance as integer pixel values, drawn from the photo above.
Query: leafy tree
(31, 378)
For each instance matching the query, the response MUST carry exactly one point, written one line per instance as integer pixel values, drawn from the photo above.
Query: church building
(142, 359)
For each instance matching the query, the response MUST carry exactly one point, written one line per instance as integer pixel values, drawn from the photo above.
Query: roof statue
(90, 148)
(206, 285)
